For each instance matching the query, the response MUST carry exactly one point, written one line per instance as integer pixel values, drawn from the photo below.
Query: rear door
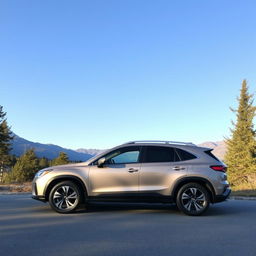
(160, 167)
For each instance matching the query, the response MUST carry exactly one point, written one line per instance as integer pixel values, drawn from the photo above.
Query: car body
(138, 171)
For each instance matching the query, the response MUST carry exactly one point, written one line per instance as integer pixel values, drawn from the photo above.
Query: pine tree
(241, 150)
(25, 168)
(43, 163)
(61, 159)
(5, 139)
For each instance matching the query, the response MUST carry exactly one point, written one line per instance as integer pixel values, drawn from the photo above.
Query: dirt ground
(19, 187)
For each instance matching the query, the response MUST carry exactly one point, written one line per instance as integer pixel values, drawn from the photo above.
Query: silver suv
(138, 171)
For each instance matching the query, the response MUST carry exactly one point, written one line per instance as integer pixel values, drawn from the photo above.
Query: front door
(119, 176)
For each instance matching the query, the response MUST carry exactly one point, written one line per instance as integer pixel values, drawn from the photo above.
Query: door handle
(178, 168)
(132, 170)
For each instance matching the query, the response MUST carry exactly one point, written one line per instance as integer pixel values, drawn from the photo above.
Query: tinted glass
(127, 157)
(160, 154)
(123, 155)
(184, 155)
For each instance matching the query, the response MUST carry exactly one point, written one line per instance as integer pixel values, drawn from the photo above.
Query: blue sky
(94, 74)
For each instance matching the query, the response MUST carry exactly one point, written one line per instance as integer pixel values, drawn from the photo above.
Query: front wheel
(65, 197)
(193, 199)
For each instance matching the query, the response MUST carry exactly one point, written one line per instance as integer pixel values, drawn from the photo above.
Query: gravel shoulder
(16, 188)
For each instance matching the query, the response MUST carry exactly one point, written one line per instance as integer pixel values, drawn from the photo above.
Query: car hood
(67, 166)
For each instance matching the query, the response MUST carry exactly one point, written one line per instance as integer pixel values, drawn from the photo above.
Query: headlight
(42, 172)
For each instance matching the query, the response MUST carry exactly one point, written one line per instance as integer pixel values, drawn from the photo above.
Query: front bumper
(35, 193)
(224, 196)
(39, 198)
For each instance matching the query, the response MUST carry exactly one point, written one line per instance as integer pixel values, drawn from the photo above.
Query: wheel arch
(52, 182)
(202, 181)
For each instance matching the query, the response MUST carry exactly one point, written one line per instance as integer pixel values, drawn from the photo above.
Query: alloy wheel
(65, 197)
(193, 199)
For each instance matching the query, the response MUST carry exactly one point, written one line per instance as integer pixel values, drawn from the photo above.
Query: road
(29, 227)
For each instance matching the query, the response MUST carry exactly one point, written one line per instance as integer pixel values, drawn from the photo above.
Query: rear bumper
(223, 197)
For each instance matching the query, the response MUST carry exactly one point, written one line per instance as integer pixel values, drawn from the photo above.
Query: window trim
(139, 157)
(210, 154)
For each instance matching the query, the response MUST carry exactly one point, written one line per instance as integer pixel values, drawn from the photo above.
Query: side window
(123, 156)
(184, 155)
(160, 154)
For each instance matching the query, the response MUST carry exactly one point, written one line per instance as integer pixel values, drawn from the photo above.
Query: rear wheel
(193, 199)
(65, 197)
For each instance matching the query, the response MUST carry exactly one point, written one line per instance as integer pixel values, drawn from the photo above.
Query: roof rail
(161, 142)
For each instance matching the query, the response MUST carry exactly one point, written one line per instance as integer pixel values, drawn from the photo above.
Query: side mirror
(101, 162)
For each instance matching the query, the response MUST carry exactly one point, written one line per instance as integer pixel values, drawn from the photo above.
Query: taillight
(219, 168)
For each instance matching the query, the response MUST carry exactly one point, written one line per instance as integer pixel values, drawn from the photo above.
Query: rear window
(209, 153)
(160, 154)
(184, 155)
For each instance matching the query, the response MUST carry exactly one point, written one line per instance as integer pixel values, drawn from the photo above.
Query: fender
(201, 180)
(64, 177)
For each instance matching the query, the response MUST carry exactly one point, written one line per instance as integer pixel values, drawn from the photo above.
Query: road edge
(230, 198)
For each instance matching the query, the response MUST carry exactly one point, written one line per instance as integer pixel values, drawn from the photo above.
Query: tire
(193, 199)
(65, 197)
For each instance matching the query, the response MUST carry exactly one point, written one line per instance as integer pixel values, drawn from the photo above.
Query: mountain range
(50, 151)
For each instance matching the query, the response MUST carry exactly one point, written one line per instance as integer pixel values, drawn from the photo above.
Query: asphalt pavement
(29, 227)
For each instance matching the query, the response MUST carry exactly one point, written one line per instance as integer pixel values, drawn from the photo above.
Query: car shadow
(119, 207)
(229, 207)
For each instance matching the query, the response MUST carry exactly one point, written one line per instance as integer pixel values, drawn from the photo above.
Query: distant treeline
(24, 168)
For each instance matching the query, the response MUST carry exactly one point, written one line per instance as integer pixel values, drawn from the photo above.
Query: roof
(160, 142)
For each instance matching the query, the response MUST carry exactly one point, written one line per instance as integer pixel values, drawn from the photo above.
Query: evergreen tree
(5, 139)
(13, 160)
(241, 150)
(25, 168)
(43, 163)
(61, 159)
